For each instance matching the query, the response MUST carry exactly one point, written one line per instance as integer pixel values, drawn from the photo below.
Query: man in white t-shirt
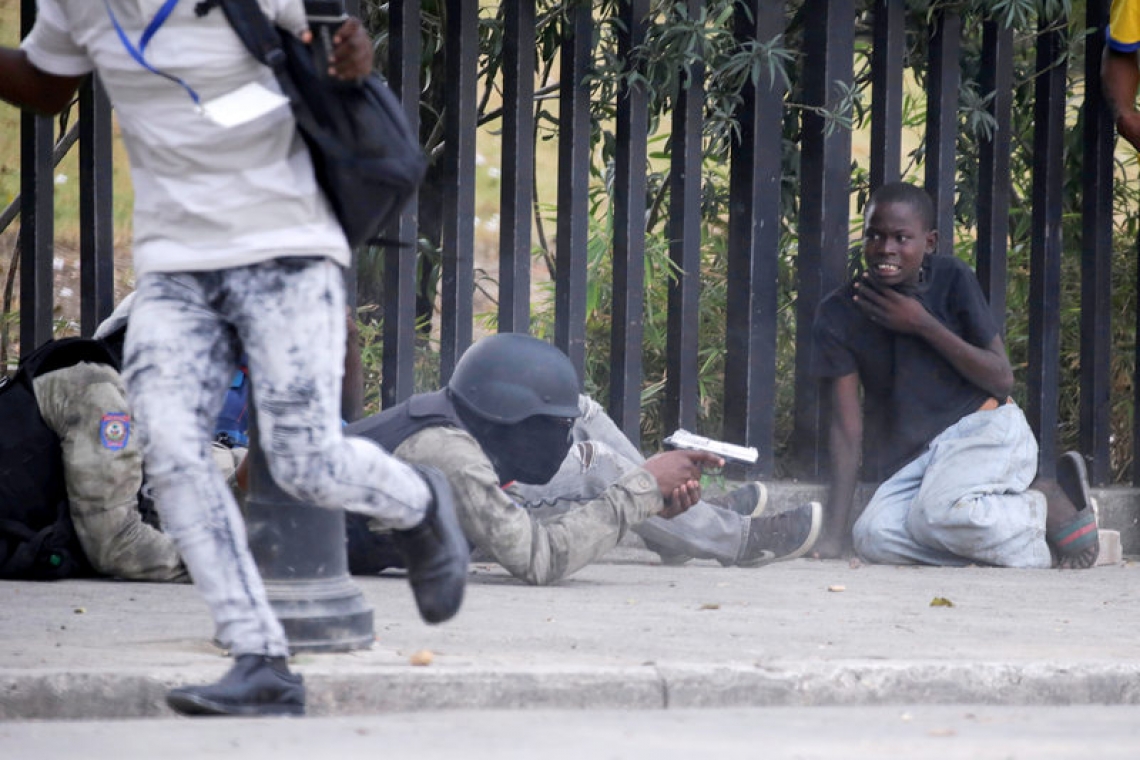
(235, 249)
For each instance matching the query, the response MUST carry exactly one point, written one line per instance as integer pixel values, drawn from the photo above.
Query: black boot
(255, 685)
(436, 553)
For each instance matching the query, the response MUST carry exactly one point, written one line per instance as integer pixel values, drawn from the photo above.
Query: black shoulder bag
(366, 157)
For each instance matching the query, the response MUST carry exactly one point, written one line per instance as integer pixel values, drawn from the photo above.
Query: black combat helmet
(508, 377)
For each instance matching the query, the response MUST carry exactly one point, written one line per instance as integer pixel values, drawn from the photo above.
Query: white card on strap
(244, 104)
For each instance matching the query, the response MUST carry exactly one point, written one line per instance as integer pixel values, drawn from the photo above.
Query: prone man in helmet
(544, 481)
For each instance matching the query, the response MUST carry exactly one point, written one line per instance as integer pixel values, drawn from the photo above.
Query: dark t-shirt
(910, 393)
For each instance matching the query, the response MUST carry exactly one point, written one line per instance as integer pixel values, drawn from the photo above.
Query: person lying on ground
(719, 528)
(90, 455)
(73, 504)
(509, 433)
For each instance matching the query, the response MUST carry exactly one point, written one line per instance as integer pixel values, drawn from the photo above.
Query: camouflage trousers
(187, 331)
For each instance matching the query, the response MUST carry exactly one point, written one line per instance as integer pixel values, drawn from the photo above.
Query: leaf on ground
(422, 657)
(941, 601)
(710, 606)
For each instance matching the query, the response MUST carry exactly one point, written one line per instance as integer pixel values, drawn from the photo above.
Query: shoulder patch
(115, 430)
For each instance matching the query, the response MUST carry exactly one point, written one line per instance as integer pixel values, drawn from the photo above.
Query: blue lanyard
(137, 53)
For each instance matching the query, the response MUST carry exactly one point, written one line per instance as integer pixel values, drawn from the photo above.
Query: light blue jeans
(965, 499)
(703, 531)
(186, 332)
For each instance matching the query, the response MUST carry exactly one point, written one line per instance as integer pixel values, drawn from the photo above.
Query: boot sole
(439, 593)
(190, 704)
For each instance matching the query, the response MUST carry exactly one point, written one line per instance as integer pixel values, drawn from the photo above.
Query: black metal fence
(825, 157)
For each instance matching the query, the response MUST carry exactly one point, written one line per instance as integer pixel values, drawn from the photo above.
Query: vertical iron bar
(630, 161)
(573, 227)
(682, 343)
(1096, 258)
(1045, 253)
(887, 56)
(36, 230)
(457, 282)
(825, 178)
(754, 248)
(96, 214)
(398, 362)
(942, 123)
(994, 182)
(516, 193)
(37, 195)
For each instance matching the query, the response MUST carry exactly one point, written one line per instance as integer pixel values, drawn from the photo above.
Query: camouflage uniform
(537, 546)
(85, 405)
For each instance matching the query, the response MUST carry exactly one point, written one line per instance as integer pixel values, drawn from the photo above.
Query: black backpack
(365, 155)
(37, 538)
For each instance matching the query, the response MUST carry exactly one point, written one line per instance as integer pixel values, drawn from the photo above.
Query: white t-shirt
(206, 197)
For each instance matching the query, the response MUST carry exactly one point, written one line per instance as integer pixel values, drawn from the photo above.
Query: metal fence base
(322, 615)
(300, 550)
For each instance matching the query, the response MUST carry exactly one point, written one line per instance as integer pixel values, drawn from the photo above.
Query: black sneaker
(782, 536)
(255, 685)
(748, 500)
(436, 553)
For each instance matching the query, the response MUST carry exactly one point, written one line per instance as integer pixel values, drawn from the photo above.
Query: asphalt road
(977, 732)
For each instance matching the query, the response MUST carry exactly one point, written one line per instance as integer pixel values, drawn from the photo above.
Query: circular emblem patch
(115, 430)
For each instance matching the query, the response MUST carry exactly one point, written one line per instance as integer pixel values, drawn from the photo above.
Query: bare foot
(830, 548)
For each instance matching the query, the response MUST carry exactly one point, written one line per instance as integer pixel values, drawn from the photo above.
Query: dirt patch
(65, 286)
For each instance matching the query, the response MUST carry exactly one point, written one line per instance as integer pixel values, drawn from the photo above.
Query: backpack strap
(255, 31)
(266, 43)
(64, 352)
(16, 529)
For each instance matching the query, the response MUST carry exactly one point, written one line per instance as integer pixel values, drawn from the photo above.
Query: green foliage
(371, 329)
(678, 47)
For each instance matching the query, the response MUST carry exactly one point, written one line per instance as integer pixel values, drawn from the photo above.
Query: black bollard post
(300, 551)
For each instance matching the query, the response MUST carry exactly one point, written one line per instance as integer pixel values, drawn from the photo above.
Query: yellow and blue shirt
(1124, 26)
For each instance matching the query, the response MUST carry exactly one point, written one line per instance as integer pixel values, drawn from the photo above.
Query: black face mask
(530, 451)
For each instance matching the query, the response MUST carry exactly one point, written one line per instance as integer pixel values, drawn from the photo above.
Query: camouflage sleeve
(87, 408)
(536, 549)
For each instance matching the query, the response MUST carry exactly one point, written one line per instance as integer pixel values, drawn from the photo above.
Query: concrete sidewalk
(627, 633)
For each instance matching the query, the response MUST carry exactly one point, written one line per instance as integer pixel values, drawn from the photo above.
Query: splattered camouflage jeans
(186, 333)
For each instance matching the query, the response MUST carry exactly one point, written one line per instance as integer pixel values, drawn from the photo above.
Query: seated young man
(955, 456)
